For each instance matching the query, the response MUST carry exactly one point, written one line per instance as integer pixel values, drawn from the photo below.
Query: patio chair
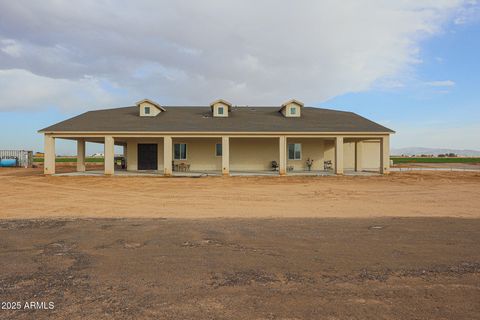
(274, 165)
(327, 165)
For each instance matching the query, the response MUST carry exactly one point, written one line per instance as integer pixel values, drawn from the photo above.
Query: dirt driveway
(404, 246)
(28, 194)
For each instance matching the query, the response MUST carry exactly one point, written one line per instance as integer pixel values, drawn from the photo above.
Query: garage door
(147, 156)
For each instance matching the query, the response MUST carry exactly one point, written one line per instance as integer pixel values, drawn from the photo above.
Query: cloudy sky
(410, 65)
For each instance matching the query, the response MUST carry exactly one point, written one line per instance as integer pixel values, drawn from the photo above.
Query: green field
(68, 159)
(397, 160)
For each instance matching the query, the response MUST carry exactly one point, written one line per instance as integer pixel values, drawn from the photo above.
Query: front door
(147, 156)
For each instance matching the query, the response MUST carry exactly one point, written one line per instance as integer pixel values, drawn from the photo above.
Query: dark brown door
(147, 157)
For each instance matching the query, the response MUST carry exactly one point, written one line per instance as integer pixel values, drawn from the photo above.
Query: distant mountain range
(435, 151)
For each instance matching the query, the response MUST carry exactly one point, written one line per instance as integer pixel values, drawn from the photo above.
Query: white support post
(167, 155)
(80, 155)
(339, 155)
(358, 156)
(226, 156)
(132, 150)
(49, 155)
(109, 154)
(384, 154)
(283, 155)
(125, 154)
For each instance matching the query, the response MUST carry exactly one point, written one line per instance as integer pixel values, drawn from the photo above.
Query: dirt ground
(375, 268)
(26, 193)
(402, 246)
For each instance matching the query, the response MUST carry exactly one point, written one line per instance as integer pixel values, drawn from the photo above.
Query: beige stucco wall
(348, 155)
(258, 153)
(286, 110)
(329, 147)
(132, 152)
(215, 109)
(200, 153)
(312, 148)
(153, 109)
(253, 153)
(371, 155)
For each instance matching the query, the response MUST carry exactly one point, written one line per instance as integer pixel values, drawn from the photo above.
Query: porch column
(167, 155)
(358, 156)
(81, 155)
(339, 155)
(225, 156)
(283, 155)
(49, 155)
(132, 155)
(109, 154)
(125, 154)
(384, 154)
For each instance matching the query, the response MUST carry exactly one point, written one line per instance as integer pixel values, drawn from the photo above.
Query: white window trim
(216, 155)
(288, 151)
(145, 108)
(293, 111)
(186, 151)
(222, 109)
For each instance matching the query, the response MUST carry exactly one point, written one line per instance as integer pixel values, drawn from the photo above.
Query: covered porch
(246, 155)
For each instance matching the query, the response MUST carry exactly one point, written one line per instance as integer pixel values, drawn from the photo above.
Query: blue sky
(441, 93)
(411, 66)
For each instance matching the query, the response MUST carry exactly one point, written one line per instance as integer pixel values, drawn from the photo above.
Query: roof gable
(294, 101)
(221, 101)
(153, 103)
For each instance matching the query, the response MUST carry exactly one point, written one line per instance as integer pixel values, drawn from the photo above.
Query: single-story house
(224, 138)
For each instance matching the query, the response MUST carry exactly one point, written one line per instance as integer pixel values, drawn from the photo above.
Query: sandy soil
(403, 246)
(26, 193)
(381, 268)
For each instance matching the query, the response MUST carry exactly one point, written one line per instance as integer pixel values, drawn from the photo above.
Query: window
(220, 110)
(293, 110)
(180, 151)
(218, 149)
(147, 110)
(294, 151)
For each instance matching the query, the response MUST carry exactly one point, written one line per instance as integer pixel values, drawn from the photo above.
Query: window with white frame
(294, 151)
(147, 110)
(218, 149)
(180, 151)
(293, 110)
(220, 110)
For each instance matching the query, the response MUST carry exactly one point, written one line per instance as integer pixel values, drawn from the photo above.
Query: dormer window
(291, 108)
(220, 108)
(149, 108)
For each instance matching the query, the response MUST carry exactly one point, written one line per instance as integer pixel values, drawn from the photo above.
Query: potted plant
(309, 163)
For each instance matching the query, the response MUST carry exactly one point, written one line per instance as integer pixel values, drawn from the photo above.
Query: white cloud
(468, 13)
(192, 52)
(10, 47)
(442, 83)
(22, 89)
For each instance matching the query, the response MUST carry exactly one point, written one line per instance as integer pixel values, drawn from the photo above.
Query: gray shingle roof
(198, 119)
